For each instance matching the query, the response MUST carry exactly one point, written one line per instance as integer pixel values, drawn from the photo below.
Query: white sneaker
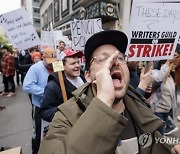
(178, 118)
(10, 94)
(170, 130)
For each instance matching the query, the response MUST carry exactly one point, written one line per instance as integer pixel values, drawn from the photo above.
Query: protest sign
(81, 30)
(154, 31)
(58, 36)
(52, 38)
(46, 40)
(20, 31)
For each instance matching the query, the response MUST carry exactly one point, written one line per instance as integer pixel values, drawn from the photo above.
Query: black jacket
(53, 96)
(24, 62)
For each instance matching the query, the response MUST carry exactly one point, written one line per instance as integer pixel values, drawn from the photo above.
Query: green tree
(3, 40)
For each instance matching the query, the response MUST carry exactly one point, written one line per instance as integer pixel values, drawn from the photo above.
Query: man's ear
(87, 76)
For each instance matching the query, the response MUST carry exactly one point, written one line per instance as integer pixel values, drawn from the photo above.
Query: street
(16, 121)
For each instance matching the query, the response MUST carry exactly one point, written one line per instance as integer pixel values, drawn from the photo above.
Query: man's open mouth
(116, 78)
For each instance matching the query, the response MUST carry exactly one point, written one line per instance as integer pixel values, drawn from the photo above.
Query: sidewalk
(16, 121)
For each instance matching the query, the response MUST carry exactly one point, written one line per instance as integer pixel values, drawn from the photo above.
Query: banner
(51, 39)
(81, 30)
(20, 31)
(154, 31)
(46, 40)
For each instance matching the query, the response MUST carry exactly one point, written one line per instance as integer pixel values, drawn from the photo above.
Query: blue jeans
(164, 117)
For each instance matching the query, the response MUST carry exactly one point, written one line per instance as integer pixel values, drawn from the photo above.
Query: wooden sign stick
(61, 82)
(58, 67)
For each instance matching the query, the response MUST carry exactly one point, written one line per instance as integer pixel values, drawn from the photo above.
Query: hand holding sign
(58, 67)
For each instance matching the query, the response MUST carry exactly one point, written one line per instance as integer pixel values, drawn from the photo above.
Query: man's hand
(145, 79)
(105, 87)
(176, 149)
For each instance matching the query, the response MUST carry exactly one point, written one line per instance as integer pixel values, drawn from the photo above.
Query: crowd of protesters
(34, 71)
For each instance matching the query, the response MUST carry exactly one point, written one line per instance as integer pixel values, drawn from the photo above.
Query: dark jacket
(97, 129)
(24, 62)
(53, 96)
(134, 81)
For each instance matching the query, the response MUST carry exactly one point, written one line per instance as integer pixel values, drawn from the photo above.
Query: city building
(58, 14)
(33, 9)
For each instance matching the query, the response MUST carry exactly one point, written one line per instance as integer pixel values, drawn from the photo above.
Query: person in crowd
(24, 62)
(1, 107)
(34, 84)
(164, 96)
(141, 84)
(73, 79)
(105, 115)
(61, 47)
(177, 73)
(36, 56)
(177, 68)
(18, 73)
(8, 72)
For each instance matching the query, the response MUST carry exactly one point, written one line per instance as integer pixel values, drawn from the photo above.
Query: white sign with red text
(154, 31)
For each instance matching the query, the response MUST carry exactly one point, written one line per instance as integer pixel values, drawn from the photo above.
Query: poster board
(19, 29)
(46, 40)
(81, 30)
(52, 38)
(154, 31)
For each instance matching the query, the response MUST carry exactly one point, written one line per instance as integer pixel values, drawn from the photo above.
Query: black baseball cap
(113, 37)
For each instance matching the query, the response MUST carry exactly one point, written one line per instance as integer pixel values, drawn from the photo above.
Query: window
(45, 18)
(75, 4)
(50, 13)
(56, 10)
(36, 22)
(37, 10)
(64, 5)
(74, 1)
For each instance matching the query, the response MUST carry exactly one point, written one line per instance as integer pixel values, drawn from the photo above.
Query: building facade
(33, 9)
(58, 14)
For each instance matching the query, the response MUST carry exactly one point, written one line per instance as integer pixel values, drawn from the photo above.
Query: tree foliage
(3, 40)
